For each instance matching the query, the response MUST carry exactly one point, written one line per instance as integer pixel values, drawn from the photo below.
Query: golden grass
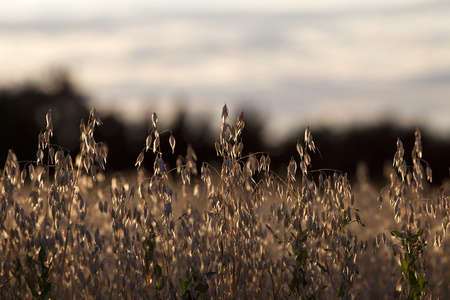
(71, 230)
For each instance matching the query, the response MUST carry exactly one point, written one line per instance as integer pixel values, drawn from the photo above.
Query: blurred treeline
(23, 110)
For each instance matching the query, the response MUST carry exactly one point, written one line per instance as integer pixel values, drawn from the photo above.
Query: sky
(290, 63)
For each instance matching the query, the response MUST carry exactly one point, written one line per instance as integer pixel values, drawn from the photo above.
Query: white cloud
(351, 56)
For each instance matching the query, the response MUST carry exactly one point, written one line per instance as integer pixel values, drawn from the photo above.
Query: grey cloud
(436, 78)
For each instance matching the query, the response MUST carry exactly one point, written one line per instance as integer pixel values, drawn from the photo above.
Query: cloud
(292, 63)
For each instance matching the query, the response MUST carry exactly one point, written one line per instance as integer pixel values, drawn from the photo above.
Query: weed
(412, 246)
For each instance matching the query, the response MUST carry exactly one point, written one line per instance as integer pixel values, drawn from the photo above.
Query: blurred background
(359, 73)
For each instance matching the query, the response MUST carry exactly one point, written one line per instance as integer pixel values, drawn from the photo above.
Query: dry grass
(238, 232)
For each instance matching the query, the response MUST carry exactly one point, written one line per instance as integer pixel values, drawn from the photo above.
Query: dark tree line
(23, 110)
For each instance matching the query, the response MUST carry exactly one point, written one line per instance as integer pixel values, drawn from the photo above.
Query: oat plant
(197, 230)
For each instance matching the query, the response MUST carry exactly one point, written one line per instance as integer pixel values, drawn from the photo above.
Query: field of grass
(70, 229)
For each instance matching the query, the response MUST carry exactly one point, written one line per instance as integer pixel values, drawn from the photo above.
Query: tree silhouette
(23, 109)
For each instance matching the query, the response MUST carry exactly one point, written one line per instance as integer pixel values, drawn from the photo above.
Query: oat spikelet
(172, 143)
(139, 160)
(148, 142)
(224, 113)
(155, 120)
(96, 117)
(48, 118)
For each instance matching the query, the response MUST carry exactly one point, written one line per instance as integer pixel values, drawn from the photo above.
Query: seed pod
(96, 117)
(156, 142)
(148, 142)
(39, 156)
(48, 118)
(299, 149)
(154, 121)
(429, 174)
(167, 209)
(224, 113)
(218, 148)
(140, 159)
(172, 143)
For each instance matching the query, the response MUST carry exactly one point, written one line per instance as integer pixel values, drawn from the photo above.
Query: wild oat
(239, 231)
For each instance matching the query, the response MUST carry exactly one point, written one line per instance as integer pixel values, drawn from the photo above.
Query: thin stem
(69, 213)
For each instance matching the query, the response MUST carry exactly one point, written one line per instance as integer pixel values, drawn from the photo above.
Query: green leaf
(293, 285)
(302, 257)
(396, 233)
(33, 289)
(413, 280)
(404, 265)
(419, 233)
(160, 285)
(188, 274)
(421, 283)
(47, 289)
(183, 285)
(42, 256)
(305, 237)
(157, 270)
(210, 273)
(341, 291)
